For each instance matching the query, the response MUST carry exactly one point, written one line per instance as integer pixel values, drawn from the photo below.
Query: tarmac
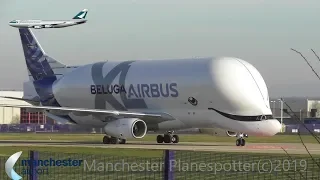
(279, 148)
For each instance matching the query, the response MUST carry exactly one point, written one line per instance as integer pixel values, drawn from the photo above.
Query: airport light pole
(281, 112)
(274, 107)
(300, 114)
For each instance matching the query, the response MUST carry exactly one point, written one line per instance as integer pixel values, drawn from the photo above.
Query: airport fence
(174, 165)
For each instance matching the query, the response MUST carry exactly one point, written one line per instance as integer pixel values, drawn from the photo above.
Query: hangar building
(302, 109)
(9, 115)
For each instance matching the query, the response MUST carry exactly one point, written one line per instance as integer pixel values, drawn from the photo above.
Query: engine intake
(231, 133)
(126, 128)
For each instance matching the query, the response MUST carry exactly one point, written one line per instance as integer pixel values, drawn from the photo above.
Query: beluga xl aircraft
(129, 98)
(39, 24)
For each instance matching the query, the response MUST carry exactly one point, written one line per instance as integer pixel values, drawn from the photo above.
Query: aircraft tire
(106, 140)
(160, 139)
(167, 138)
(238, 142)
(175, 139)
(114, 140)
(243, 142)
(122, 141)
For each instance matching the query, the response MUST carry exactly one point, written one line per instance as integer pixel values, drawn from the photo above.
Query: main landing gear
(240, 141)
(169, 137)
(113, 140)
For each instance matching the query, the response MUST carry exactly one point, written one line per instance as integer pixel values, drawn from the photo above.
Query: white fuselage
(227, 85)
(37, 24)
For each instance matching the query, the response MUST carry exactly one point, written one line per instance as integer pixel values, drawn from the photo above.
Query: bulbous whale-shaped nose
(240, 87)
(243, 97)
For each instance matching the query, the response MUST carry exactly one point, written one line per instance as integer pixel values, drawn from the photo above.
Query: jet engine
(48, 26)
(126, 128)
(37, 27)
(218, 132)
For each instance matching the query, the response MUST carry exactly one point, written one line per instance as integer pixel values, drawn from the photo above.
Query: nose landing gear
(169, 137)
(240, 141)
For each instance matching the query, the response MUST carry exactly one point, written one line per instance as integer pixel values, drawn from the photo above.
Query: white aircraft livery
(38, 24)
(129, 98)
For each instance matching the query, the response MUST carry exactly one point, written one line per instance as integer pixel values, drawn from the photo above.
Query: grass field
(183, 138)
(188, 166)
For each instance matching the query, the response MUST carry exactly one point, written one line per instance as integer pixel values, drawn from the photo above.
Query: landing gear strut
(169, 137)
(240, 141)
(113, 140)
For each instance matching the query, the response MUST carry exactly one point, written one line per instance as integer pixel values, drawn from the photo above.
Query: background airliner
(38, 24)
(127, 98)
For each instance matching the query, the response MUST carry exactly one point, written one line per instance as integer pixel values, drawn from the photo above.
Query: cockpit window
(14, 21)
(263, 117)
(244, 118)
(193, 101)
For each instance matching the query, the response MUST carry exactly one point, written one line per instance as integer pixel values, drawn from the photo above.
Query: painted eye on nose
(193, 101)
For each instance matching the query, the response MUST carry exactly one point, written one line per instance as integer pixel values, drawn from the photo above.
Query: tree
(15, 119)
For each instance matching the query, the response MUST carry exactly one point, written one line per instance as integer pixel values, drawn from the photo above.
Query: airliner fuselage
(39, 24)
(228, 93)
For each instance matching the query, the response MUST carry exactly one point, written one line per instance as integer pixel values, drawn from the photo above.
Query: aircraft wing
(154, 117)
(34, 102)
(88, 111)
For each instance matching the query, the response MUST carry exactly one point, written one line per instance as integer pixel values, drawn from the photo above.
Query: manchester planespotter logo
(9, 166)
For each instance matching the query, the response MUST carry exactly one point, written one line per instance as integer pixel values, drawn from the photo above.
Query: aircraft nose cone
(274, 127)
(268, 127)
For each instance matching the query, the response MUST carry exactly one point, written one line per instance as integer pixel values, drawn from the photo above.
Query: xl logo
(9, 166)
(101, 99)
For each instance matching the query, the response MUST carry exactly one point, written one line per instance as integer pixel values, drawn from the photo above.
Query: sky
(260, 32)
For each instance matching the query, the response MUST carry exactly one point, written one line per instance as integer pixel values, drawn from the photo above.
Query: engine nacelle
(218, 132)
(37, 27)
(126, 128)
(48, 26)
